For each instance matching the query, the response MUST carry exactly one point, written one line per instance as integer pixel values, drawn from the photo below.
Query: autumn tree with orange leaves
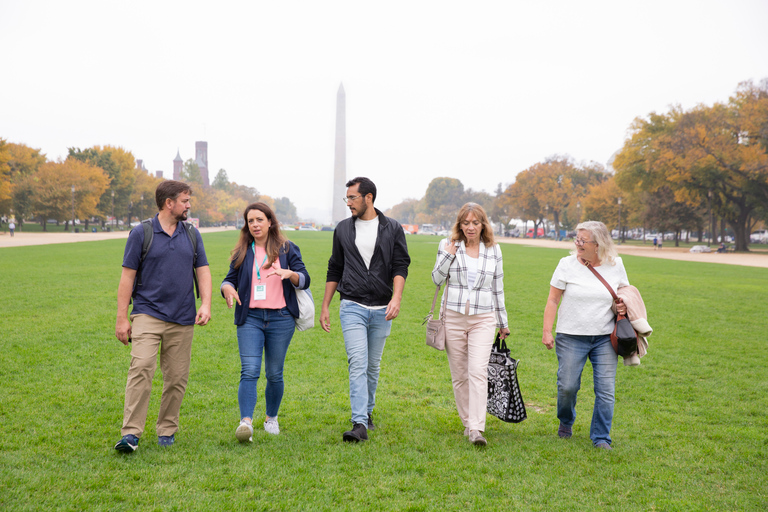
(554, 188)
(718, 153)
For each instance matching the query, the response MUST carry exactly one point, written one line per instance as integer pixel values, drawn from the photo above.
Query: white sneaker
(244, 432)
(271, 426)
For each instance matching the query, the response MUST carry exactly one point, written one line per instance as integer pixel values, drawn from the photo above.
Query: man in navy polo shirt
(163, 313)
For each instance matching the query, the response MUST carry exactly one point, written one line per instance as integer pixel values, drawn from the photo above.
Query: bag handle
(499, 344)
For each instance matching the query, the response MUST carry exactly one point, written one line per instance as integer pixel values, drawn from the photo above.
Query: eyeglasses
(349, 198)
(581, 241)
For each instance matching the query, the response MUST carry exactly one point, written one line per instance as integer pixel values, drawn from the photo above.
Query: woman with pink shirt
(264, 272)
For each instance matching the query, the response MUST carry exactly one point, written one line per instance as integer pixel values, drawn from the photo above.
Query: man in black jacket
(368, 266)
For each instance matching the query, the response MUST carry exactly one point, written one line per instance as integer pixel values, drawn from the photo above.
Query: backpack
(149, 234)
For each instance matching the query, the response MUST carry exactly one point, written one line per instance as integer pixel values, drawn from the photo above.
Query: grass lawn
(690, 429)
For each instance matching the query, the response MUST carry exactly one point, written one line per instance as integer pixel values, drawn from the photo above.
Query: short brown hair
(170, 189)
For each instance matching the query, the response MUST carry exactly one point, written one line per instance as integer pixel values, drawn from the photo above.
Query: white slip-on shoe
(271, 426)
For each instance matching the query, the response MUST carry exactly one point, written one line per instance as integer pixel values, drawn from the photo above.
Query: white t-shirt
(585, 309)
(471, 270)
(365, 238)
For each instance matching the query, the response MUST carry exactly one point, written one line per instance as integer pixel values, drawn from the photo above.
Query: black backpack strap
(191, 231)
(149, 234)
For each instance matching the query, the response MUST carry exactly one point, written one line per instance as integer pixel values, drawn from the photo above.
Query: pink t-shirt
(274, 298)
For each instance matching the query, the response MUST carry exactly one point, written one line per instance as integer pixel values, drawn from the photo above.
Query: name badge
(259, 292)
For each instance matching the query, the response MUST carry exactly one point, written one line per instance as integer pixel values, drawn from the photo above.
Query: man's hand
(325, 319)
(203, 315)
(393, 309)
(123, 330)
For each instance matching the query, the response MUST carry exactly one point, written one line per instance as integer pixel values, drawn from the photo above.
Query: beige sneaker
(476, 438)
(244, 432)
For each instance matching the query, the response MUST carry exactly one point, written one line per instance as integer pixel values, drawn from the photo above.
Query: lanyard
(258, 269)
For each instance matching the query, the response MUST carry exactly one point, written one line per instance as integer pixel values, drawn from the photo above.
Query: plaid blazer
(487, 294)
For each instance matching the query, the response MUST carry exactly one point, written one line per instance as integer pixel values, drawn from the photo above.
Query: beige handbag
(436, 328)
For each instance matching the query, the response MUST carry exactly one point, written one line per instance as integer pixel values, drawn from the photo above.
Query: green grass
(690, 429)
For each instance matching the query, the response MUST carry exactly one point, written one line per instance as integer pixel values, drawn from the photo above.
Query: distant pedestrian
(655, 243)
(660, 242)
(368, 266)
(163, 316)
(12, 227)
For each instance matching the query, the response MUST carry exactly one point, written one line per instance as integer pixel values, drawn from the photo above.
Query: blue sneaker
(166, 440)
(128, 444)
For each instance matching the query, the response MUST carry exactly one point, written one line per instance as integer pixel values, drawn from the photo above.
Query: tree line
(684, 170)
(101, 183)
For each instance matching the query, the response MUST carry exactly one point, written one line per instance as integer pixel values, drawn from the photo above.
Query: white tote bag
(306, 319)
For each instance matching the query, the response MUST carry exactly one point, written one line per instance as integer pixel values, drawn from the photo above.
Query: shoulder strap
(191, 232)
(597, 275)
(146, 244)
(434, 300)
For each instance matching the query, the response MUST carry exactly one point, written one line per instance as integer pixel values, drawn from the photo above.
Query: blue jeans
(365, 333)
(267, 331)
(572, 353)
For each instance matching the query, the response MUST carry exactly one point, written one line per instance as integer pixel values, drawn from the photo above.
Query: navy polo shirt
(168, 290)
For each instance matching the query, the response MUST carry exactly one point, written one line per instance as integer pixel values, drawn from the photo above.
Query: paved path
(668, 252)
(20, 239)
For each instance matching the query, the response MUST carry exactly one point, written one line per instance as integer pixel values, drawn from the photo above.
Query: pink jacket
(638, 317)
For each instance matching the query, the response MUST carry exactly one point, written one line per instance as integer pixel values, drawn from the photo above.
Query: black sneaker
(128, 444)
(371, 426)
(357, 434)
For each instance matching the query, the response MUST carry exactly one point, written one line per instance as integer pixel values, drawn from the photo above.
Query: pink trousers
(468, 343)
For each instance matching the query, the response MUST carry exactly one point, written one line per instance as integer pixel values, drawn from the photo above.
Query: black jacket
(368, 286)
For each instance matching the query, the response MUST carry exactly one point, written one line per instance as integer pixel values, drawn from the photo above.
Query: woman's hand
(548, 340)
(450, 247)
(621, 308)
(231, 296)
(503, 332)
(283, 273)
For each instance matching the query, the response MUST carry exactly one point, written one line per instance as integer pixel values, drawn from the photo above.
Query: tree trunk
(740, 228)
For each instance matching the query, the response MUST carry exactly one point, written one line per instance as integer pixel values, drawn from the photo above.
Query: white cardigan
(487, 294)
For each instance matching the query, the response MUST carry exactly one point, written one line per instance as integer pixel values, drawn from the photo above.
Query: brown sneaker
(357, 434)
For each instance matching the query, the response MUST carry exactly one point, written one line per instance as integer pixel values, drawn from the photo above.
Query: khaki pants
(468, 343)
(174, 342)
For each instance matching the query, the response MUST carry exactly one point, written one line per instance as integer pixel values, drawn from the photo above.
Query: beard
(359, 212)
(182, 216)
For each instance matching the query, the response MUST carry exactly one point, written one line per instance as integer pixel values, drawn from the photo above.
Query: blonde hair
(486, 233)
(606, 250)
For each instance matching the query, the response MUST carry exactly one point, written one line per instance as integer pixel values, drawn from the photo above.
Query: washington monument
(339, 210)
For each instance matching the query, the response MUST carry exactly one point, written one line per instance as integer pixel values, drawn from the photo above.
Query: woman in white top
(469, 261)
(585, 322)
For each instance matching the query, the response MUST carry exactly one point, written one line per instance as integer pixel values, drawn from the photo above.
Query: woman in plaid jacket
(470, 263)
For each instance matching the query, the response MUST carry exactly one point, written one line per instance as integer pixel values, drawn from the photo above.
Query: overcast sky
(477, 91)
